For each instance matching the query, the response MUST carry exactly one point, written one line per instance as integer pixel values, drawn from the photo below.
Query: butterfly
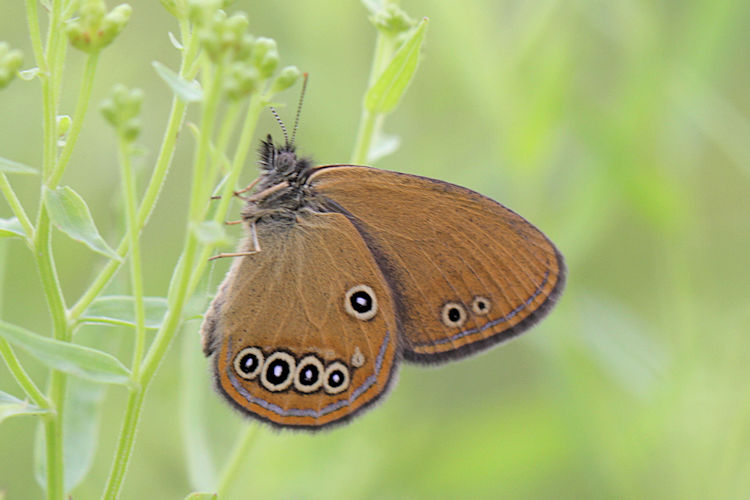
(350, 270)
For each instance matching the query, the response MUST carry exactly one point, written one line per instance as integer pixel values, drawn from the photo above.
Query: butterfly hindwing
(465, 271)
(303, 334)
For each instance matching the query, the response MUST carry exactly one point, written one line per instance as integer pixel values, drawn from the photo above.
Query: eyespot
(336, 378)
(481, 305)
(361, 303)
(248, 362)
(309, 374)
(454, 314)
(278, 371)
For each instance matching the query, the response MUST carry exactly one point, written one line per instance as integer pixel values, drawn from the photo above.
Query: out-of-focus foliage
(619, 128)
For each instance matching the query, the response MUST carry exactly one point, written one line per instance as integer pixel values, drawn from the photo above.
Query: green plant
(225, 71)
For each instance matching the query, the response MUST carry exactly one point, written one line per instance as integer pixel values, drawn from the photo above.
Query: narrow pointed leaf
(71, 358)
(385, 93)
(81, 429)
(210, 232)
(383, 145)
(11, 406)
(69, 212)
(10, 228)
(120, 310)
(13, 167)
(183, 89)
(199, 460)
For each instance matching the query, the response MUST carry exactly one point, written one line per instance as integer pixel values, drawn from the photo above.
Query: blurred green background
(621, 129)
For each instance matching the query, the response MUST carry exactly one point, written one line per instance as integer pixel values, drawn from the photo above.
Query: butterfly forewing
(304, 332)
(465, 271)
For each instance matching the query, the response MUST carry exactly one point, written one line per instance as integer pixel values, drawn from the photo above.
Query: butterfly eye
(480, 305)
(454, 314)
(361, 303)
(278, 371)
(248, 362)
(309, 375)
(336, 378)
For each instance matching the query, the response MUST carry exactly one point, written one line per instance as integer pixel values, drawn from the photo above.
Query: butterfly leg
(256, 246)
(243, 190)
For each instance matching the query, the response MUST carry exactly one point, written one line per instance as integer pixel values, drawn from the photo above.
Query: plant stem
(136, 274)
(371, 123)
(32, 18)
(17, 208)
(20, 375)
(256, 106)
(82, 104)
(232, 467)
(125, 444)
(177, 294)
(163, 161)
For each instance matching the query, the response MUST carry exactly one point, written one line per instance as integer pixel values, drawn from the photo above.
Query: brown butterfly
(350, 269)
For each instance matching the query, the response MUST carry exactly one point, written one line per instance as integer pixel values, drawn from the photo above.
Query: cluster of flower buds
(121, 109)
(250, 61)
(391, 20)
(96, 28)
(10, 61)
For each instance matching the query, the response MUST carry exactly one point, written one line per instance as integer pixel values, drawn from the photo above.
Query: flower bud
(287, 77)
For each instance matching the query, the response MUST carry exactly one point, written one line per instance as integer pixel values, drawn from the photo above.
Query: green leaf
(385, 93)
(120, 310)
(185, 90)
(210, 232)
(10, 228)
(69, 212)
(28, 74)
(13, 167)
(383, 145)
(194, 418)
(11, 406)
(198, 495)
(70, 358)
(80, 429)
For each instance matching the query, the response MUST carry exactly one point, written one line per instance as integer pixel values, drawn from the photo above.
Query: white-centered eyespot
(278, 371)
(336, 378)
(360, 302)
(248, 362)
(309, 374)
(453, 314)
(481, 305)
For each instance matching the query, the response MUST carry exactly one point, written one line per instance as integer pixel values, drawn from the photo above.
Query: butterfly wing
(303, 333)
(465, 271)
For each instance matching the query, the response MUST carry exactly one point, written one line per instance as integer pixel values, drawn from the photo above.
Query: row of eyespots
(454, 313)
(280, 370)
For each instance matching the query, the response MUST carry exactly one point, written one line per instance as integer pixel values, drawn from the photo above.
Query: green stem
(53, 433)
(17, 208)
(20, 375)
(232, 467)
(257, 104)
(163, 161)
(84, 97)
(32, 18)
(178, 294)
(125, 444)
(136, 273)
(371, 123)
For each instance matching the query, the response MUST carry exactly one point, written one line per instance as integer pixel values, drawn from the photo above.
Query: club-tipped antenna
(281, 124)
(299, 107)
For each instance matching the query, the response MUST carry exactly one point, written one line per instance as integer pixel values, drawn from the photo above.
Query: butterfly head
(281, 163)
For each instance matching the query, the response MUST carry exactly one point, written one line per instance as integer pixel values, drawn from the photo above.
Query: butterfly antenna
(281, 124)
(299, 107)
